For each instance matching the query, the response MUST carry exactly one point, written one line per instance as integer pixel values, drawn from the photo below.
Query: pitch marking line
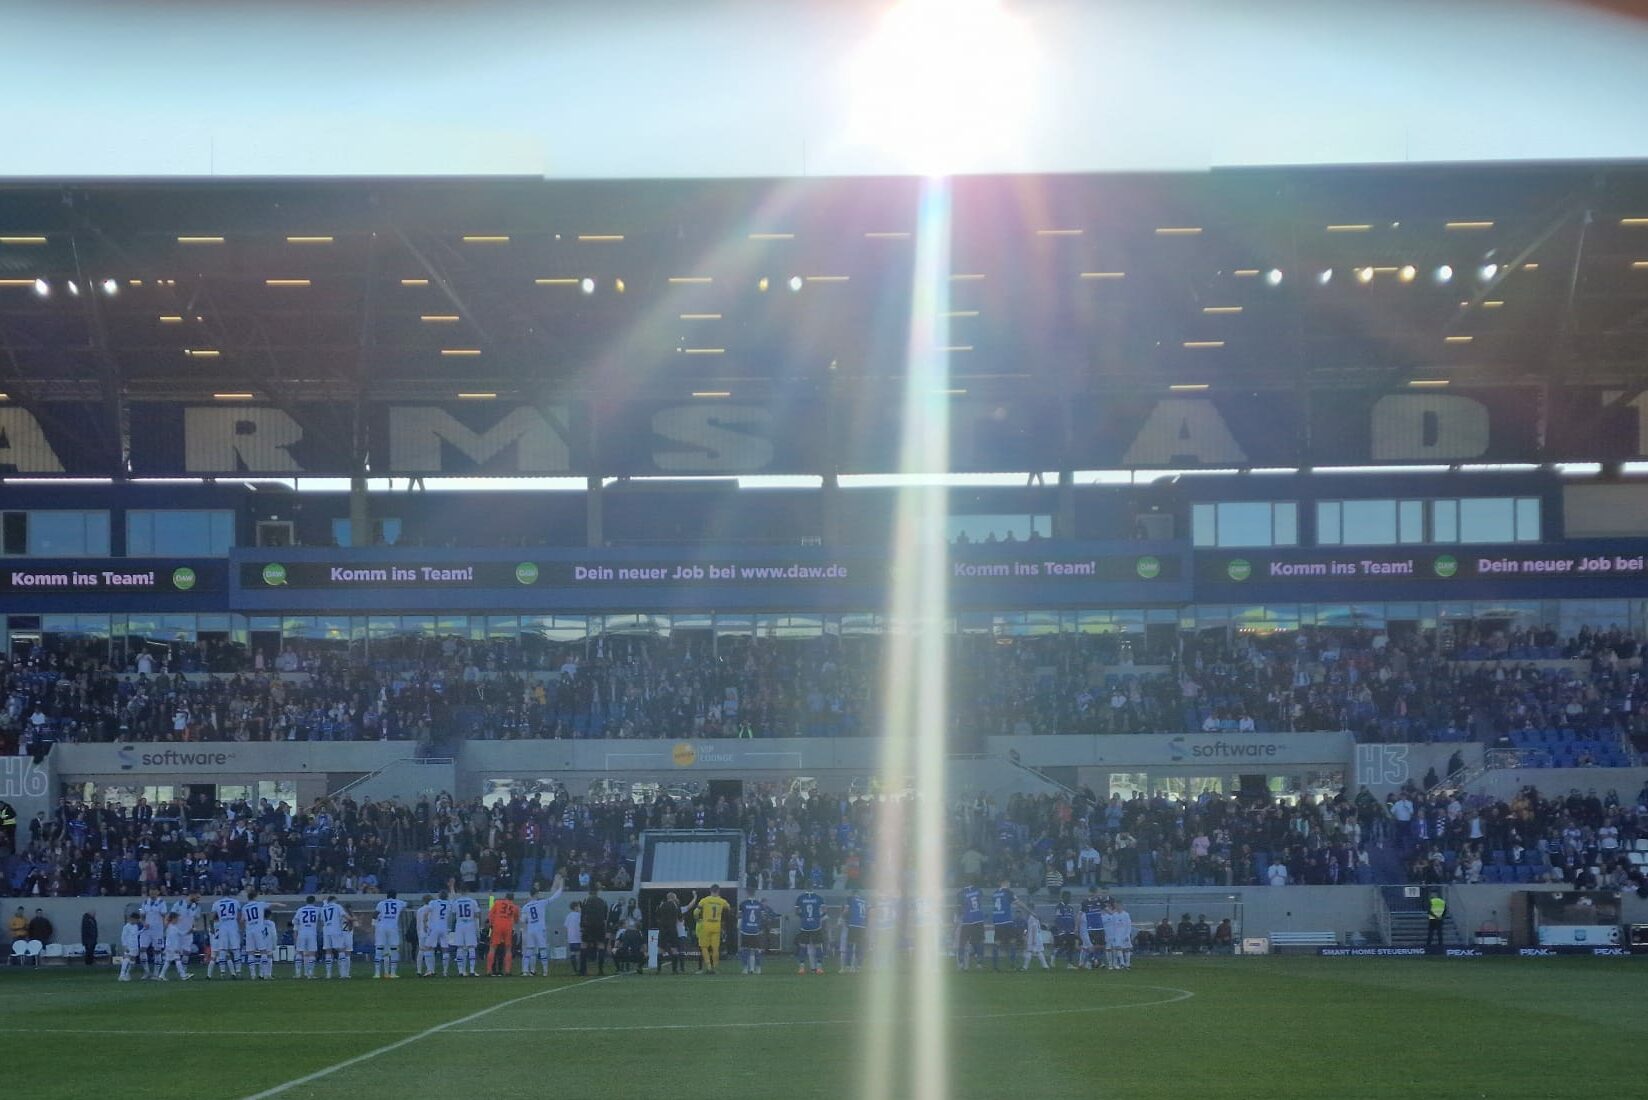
(453, 1028)
(426, 1033)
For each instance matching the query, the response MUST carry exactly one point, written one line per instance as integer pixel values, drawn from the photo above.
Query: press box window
(56, 534)
(185, 533)
(1245, 523)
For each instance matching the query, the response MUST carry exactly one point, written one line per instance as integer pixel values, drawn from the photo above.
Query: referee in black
(592, 923)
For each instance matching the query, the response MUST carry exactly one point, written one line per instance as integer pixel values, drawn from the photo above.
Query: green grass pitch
(1180, 1027)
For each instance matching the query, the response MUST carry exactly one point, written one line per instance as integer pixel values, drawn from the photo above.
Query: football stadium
(948, 548)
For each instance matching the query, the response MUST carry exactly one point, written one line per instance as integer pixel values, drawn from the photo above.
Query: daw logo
(127, 756)
(1176, 749)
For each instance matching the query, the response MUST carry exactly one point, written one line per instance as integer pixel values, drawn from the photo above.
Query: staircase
(404, 779)
(1406, 920)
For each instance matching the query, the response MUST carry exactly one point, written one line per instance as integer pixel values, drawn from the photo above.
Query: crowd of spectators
(1463, 684)
(797, 839)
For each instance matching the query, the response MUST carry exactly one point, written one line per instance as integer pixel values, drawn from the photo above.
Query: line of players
(1080, 933)
(159, 935)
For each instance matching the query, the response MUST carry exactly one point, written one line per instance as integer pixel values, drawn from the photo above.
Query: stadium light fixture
(1639, 265)
(414, 282)
(600, 238)
(1421, 383)
(587, 285)
(110, 288)
(1273, 277)
(42, 288)
(200, 240)
(1094, 276)
(700, 316)
(1467, 225)
(618, 285)
(703, 351)
(1364, 275)
(1324, 276)
(796, 283)
(477, 395)
(772, 236)
(1457, 339)
(460, 353)
(1221, 309)
(1487, 271)
(1189, 387)
(286, 282)
(17, 282)
(712, 393)
(1634, 222)
(202, 353)
(1406, 273)
(761, 284)
(1197, 345)
(308, 240)
(1350, 227)
(237, 396)
(690, 280)
(1442, 275)
(439, 318)
(486, 238)
(74, 288)
(22, 240)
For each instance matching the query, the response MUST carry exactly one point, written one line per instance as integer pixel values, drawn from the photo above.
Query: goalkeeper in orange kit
(501, 922)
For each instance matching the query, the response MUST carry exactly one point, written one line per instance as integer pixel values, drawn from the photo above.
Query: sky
(626, 88)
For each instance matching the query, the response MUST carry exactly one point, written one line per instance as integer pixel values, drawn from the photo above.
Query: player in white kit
(153, 943)
(466, 933)
(534, 935)
(131, 945)
(225, 936)
(306, 938)
(259, 937)
(335, 936)
(386, 937)
(424, 919)
(440, 924)
(1035, 942)
(179, 942)
(1123, 938)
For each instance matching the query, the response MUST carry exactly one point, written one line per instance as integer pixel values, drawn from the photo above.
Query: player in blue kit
(753, 916)
(970, 914)
(1003, 924)
(856, 914)
(1064, 931)
(809, 908)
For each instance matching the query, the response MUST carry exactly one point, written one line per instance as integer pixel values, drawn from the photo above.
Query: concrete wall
(1504, 783)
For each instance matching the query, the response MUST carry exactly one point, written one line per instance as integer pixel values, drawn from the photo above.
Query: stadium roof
(298, 290)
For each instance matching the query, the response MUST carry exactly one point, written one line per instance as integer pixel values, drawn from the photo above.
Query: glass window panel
(1444, 521)
(1527, 519)
(728, 625)
(1286, 519)
(139, 534)
(1410, 521)
(62, 534)
(1328, 530)
(1244, 523)
(850, 624)
(1202, 525)
(180, 532)
(503, 626)
(223, 531)
(1487, 519)
(1369, 522)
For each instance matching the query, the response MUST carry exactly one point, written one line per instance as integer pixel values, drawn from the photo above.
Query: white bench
(1302, 939)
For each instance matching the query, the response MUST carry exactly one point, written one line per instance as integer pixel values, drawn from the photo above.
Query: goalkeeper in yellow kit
(709, 912)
